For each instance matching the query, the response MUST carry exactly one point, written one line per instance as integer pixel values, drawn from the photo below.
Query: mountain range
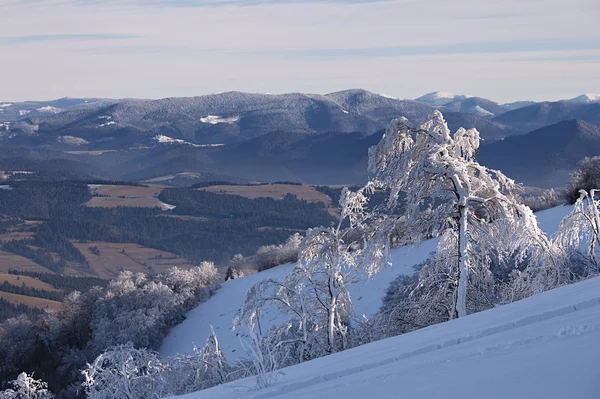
(318, 139)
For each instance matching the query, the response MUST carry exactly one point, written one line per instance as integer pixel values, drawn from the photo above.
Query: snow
(388, 96)
(72, 140)
(162, 139)
(49, 108)
(549, 219)
(344, 111)
(107, 124)
(24, 112)
(5, 105)
(440, 98)
(5, 187)
(482, 111)
(586, 98)
(166, 207)
(443, 94)
(219, 310)
(214, 119)
(545, 346)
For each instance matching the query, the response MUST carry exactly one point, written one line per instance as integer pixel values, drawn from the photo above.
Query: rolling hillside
(546, 156)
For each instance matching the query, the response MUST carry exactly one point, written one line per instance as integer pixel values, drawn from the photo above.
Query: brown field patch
(275, 191)
(30, 301)
(112, 258)
(131, 196)
(30, 282)
(11, 261)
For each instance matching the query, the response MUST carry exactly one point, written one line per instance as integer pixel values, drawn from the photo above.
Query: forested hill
(202, 226)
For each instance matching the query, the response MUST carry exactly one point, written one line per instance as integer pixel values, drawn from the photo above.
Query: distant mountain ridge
(310, 138)
(544, 157)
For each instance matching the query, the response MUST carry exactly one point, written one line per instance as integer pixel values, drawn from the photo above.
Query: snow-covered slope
(438, 98)
(586, 98)
(545, 346)
(221, 308)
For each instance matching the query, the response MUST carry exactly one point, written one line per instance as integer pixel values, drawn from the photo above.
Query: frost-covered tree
(125, 372)
(580, 230)
(205, 368)
(17, 343)
(269, 256)
(444, 187)
(314, 297)
(26, 387)
(332, 258)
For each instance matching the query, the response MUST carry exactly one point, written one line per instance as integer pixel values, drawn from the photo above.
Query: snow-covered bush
(205, 368)
(269, 256)
(26, 387)
(133, 308)
(125, 372)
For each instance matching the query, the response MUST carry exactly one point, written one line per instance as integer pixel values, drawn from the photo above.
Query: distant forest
(223, 225)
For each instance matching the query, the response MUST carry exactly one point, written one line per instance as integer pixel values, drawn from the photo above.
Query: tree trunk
(463, 276)
(331, 325)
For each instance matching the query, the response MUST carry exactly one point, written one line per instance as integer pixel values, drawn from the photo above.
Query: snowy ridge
(438, 98)
(586, 98)
(522, 337)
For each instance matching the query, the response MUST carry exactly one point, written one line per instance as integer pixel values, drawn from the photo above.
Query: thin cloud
(447, 49)
(63, 38)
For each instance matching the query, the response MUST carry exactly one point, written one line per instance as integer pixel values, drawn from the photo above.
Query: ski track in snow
(545, 346)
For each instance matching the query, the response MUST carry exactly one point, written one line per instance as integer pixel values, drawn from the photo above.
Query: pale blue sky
(505, 50)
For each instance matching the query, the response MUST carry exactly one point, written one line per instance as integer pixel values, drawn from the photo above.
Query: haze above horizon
(504, 51)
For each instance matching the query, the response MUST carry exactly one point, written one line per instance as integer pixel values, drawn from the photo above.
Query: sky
(505, 50)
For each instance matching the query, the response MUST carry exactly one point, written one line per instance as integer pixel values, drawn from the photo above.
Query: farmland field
(111, 196)
(11, 261)
(107, 260)
(26, 281)
(275, 191)
(30, 301)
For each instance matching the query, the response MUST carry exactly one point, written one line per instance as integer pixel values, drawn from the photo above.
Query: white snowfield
(215, 119)
(219, 310)
(546, 346)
